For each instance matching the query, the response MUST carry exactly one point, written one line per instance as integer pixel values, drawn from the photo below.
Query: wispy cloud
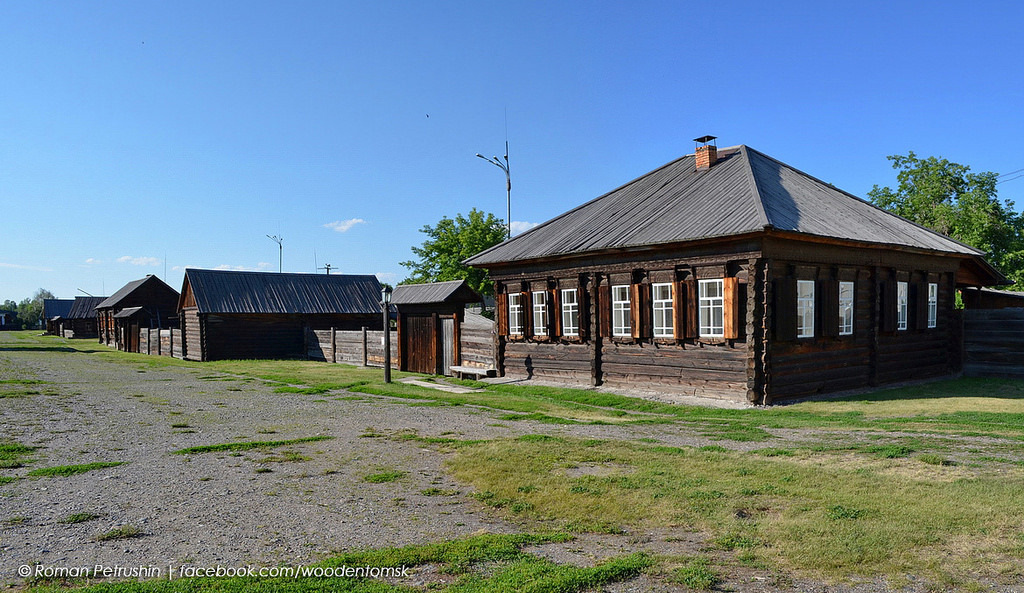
(92, 261)
(519, 226)
(260, 267)
(21, 267)
(387, 277)
(343, 225)
(139, 261)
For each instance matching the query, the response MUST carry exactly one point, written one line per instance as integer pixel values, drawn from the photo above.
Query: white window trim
(933, 305)
(662, 305)
(626, 329)
(902, 296)
(540, 308)
(843, 331)
(710, 304)
(570, 308)
(804, 305)
(515, 314)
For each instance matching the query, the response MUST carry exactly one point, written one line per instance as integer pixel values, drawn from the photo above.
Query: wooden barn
(80, 322)
(429, 319)
(52, 310)
(729, 274)
(8, 320)
(230, 315)
(144, 303)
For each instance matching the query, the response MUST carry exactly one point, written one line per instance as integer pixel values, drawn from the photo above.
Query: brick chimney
(707, 152)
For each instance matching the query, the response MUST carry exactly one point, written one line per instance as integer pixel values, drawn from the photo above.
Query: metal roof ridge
(755, 188)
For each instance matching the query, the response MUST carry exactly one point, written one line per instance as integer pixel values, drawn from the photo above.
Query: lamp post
(280, 250)
(385, 303)
(508, 183)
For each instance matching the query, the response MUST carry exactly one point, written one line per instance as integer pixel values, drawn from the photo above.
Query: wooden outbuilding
(239, 315)
(146, 303)
(52, 310)
(429, 319)
(80, 322)
(990, 298)
(729, 274)
(8, 320)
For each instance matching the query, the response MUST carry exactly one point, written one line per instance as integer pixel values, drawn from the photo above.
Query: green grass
(78, 518)
(384, 477)
(122, 532)
(72, 470)
(248, 445)
(696, 574)
(13, 455)
(809, 513)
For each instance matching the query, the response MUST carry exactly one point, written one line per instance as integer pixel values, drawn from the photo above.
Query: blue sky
(144, 137)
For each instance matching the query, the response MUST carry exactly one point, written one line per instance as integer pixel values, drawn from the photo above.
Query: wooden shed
(80, 322)
(8, 319)
(144, 303)
(52, 310)
(729, 274)
(229, 315)
(429, 319)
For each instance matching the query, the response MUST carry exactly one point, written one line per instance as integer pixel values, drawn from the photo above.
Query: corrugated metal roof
(745, 191)
(84, 307)
(56, 307)
(127, 312)
(129, 288)
(226, 291)
(434, 292)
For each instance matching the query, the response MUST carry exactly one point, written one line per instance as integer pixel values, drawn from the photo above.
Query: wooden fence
(160, 342)
(364, 347)
(994, 343)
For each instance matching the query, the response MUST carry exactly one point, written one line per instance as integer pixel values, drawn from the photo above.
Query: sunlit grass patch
(248, 445)
(72, 470)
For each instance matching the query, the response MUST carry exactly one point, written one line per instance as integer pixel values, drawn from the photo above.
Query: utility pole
(280, 250)
(508, 184)
(326, 267)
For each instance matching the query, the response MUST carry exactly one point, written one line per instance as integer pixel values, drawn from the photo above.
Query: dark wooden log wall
(706, 370)
(994, 342)
(530, 360)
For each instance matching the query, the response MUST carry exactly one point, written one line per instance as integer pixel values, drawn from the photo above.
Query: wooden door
(448, 345)
(419, 339)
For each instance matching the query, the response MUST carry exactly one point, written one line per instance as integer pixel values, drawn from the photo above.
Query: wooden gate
(419, 344)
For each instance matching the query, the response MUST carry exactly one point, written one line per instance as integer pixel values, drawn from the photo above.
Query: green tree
(450, 242)
(947, 197)
(30, 310)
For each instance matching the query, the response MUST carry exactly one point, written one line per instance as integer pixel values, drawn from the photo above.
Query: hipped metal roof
(84, 307)
(129, 288)
(452, 291)
(745, 191)
(226, 291)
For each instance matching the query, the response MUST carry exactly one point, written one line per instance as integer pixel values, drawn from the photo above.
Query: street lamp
(280, 250)
(508, 183)
(385, 303)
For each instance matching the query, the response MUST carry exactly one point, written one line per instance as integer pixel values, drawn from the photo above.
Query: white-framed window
(570, 312)
(661, 302)
(515, 314)
(805, 308)
(620, 311)
(933, 304)
(846, 308)
(712, 308)
(540, 313)
(901, 305)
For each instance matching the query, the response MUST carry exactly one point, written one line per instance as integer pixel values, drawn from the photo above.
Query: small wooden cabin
(429, 319)
(729, 274)
(52, 309)
(239, 315)
(80, 322)
(8, 320)
(144, 303)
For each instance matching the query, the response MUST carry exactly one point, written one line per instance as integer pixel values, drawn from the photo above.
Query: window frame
(664, 308)
(515, 314)
(933, 305)
(539, 306)
(805, 310)
(622, 308)
(711, 304)
(902, 302)
(572, 309)
(847, 307)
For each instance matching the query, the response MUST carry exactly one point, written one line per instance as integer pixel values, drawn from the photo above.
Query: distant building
(80, 322)
(144, 303)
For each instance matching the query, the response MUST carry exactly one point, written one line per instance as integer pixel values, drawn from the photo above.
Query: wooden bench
(462, 372)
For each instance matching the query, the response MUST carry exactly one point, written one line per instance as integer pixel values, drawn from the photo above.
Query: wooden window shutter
(501, 302)
(527, 300)
(785, 309)
(919, 305)
(731, 308)
(889, 306)
(555, 313)
(640, 311)
(604, 310)
(679, 297)
(583, 298)
(692, 304)
(828, 308)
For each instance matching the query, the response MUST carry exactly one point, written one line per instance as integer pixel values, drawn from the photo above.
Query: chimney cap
(704, 139)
